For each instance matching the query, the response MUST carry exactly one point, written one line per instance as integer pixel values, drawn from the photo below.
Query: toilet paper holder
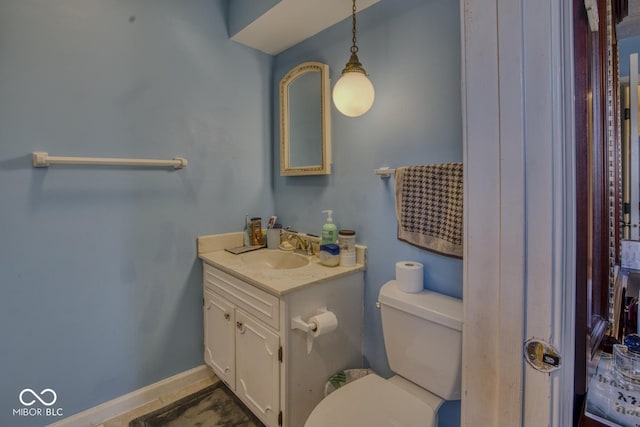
(307, 327)
(298, 323)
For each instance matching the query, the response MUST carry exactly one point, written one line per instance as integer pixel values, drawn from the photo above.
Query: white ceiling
(291, 21)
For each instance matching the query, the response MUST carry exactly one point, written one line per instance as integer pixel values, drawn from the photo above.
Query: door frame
(519, 196)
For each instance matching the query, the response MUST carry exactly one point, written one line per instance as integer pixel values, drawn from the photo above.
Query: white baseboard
(103, 412)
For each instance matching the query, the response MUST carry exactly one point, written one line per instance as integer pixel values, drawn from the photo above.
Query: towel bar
(42, 159)
(384, 172)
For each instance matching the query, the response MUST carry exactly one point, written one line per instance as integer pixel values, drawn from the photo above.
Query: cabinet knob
(227, 316)
(240, 327)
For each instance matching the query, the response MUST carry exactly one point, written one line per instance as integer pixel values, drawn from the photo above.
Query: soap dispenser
(329, 229)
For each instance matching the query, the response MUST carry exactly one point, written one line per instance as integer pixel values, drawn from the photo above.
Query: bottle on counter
(330, 254)
(246, 239)
(273, 236)
(347, 241)
(256, 231)
(329, 229)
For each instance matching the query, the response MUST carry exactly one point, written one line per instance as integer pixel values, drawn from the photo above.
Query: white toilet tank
(423, 338)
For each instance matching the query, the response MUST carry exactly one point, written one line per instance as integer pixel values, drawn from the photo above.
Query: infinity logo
(35, 395)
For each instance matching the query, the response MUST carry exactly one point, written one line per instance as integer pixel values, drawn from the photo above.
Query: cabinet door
(219, 337)
(257, 368)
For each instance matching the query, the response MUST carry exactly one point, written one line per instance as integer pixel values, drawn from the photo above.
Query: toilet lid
(373, 402)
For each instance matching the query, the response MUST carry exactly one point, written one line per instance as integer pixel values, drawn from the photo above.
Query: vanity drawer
(262, 305)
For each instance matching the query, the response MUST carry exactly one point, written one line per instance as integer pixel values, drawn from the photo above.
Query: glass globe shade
(353, 94)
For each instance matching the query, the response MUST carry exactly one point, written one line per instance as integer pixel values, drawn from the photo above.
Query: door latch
(541, 355)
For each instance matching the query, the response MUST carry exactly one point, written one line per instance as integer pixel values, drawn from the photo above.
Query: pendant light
(353, 93)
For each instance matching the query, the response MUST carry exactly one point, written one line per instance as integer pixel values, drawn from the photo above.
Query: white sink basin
(274, 260)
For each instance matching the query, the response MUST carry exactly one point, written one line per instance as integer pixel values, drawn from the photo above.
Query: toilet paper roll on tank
(410, 276)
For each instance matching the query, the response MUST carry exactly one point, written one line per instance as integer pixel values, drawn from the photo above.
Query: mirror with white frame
(305, 121)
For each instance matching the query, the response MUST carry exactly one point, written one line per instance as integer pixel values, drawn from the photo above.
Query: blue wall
(411, 50)
(101, 286)
(626, 47)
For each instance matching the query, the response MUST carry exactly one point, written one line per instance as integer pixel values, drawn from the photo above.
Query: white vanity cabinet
(242, 351)
(219, 336)
(250, 345)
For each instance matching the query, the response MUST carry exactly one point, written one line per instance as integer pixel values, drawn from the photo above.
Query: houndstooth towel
(429, 207)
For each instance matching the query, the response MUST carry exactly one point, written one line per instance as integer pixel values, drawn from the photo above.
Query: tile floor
(124, 419)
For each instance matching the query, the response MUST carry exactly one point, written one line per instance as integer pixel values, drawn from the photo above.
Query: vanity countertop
(277, 282)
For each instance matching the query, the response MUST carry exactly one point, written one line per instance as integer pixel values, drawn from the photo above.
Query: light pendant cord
(354, 47)
(354, 64)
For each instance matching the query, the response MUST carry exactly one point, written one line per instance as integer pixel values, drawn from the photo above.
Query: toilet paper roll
(409, 275)
(325, 322)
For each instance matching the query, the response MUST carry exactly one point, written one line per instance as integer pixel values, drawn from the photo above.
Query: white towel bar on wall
(384, 172)
(42, 159)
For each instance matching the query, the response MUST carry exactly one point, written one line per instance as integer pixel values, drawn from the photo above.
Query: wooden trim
(581, 79)
(592, 189)
(617, 161)
(593, 168)
(600, 221)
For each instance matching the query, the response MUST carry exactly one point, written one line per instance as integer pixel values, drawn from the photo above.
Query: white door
(519, 261)
(257, 368)
(219, 337)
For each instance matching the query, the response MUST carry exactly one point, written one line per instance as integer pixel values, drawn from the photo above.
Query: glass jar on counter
(347, 242)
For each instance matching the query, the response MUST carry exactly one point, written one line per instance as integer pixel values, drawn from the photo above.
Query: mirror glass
(305, 131)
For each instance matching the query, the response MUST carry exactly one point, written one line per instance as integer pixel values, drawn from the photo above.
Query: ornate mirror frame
(324, 168)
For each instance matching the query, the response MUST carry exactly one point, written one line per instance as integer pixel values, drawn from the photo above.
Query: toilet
(423, 341)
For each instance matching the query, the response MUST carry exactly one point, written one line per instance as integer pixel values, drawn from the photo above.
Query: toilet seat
(371, 401)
